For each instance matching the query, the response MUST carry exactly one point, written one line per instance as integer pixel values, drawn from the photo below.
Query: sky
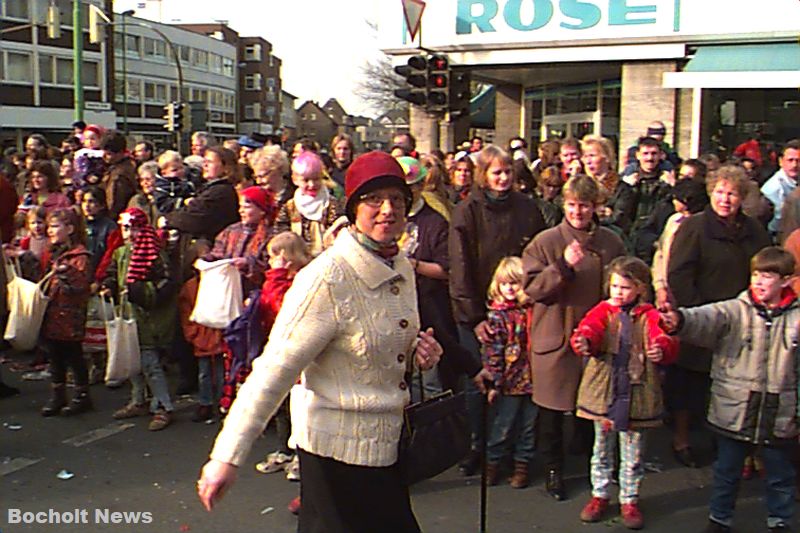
(322, 43)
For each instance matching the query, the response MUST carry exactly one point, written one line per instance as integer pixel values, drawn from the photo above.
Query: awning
(745, 66)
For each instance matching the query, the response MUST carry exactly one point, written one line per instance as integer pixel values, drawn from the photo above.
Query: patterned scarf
(145, 245)
(386, 251)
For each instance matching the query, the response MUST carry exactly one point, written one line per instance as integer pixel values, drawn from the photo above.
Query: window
(199, 95)
(134, 42)
(227, 66)
(252, 52)
(17, 9)
(200, 58)
(270, 96)
(252, 111)
(134, 90)
(271, 60)
(215, 62)
(18, 67)
(184, 52)
(117, 42)
(149, 92)
(313, 116)
(154, 47)
(90, 72)
(118, 88)
(271, 82)
(270, 112)
(252, 82)
(46, 69)
(64, 73)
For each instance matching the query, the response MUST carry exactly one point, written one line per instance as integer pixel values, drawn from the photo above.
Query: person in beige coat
(349, 327)
(564, 279)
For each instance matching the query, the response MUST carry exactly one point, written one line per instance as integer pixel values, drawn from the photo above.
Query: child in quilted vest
(620, 391)
(505, 356)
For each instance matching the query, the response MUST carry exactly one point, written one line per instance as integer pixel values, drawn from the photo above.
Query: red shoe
(594, 510)
(294, 506)
(631, 516)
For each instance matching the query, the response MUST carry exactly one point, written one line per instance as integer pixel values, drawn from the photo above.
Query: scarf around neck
(312, 207)
(385, 251)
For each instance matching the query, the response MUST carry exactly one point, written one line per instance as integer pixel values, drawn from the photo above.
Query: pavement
(128, 479)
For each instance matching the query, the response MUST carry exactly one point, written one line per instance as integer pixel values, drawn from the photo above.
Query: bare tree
(377, 84)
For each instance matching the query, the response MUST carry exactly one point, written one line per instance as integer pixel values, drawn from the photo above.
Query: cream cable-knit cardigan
(348, 323)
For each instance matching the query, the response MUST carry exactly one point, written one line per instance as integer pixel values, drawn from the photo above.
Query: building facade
(713, 72)
(147, 78)
(315, 124)
(288, 127)
(36, 73)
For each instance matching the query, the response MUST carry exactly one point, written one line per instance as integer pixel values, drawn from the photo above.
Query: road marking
(9, 465)
(96, 434)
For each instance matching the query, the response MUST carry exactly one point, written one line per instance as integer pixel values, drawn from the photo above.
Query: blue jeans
(474, 398)
(780, 482)
(153, 376)
(210, 379)
(513, 426)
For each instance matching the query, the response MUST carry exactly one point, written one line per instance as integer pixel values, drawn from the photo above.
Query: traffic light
(53, 22)
(186, 117)
(169, 116)
(415, 74)
(97, 29)
(438, 86)
(178, 116)
(459, 92)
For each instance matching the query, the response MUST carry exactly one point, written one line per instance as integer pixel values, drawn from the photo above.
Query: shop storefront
(713, 72)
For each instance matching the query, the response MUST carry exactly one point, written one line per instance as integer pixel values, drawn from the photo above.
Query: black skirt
(340, 498)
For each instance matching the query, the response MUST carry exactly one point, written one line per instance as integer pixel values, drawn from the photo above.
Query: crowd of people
(548, 287)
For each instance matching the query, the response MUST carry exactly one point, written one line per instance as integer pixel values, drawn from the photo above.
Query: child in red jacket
(288, 253)
(620, 390)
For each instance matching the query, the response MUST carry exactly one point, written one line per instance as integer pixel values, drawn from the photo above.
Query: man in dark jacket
(119, 180)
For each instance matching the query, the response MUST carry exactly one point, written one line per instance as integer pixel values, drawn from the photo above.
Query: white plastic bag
(219, 294)
(124, 358)
(27, 304)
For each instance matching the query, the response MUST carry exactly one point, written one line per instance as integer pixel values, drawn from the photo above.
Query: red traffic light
(438, 62)
(438, 81)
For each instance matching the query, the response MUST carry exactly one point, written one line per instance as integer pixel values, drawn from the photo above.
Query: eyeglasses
(396, 200)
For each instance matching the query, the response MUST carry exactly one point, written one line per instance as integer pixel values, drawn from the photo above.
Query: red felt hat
(261, 198)
(370, 172)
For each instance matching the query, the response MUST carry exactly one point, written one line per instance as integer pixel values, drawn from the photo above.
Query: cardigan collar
(368, 266)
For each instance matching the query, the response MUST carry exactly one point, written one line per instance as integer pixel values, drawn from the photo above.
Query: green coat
(153, 302)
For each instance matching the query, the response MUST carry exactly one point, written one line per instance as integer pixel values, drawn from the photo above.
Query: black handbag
(435, 436)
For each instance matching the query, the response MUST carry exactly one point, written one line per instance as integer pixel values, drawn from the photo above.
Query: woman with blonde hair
(617, 198)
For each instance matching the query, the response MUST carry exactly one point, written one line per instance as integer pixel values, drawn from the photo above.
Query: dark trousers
(67, 354)
(550, 437)
(474, 398)
(780, 482)
(283, 427)
(342, 498)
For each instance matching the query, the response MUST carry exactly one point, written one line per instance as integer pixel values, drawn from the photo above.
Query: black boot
(554, 484)
(80, 403)
(6, 391)
(58, 399)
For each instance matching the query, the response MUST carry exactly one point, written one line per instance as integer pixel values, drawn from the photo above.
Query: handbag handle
(105, 303)
(124, 304)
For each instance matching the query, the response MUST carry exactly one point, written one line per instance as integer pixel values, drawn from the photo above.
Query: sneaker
(293, 469)
(631, 516)
(294, 506)
(274, 462)
(160, 420)
(594, 510)
(132, 410)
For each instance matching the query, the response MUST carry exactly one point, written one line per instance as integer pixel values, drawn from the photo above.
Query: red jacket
(594, 327)
(277, 282)
(68, 291)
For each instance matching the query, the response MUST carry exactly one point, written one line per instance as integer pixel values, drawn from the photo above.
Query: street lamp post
(77, 59)
(125, 14)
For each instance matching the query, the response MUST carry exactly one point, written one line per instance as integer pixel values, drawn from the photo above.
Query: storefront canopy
(750, 66)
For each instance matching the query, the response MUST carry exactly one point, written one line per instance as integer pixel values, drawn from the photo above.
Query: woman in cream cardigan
(349, 324)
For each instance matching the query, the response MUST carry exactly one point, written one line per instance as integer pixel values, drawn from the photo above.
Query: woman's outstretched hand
(216, 478)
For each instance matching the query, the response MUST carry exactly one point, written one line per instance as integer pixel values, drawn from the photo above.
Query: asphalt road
(120, 467)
